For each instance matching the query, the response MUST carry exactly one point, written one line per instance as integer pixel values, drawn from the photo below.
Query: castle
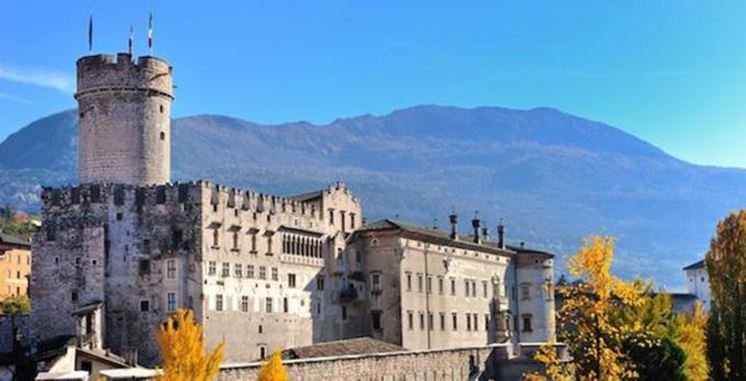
(125, 248)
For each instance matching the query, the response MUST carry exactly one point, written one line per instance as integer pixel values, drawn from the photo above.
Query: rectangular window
(454, 318)
(144, 306)
(235, 240)
(526, 291)
(375, 316)
(475, 323)
(409, 281)
(320, 282)
(245, 303)
(468, 322)
(527, 323)
(440, 285)
(291, 280)
(442, 321)
(268, 305)
(171, 302)
(474, 288)
(453, 286)
(250, 271)
(275, 274)
(484, 287)
(226, 270)
(238, 270)
(430, 321)
(486, 322)
(331, 216)
(285, 305)
(410, 320)
(218, 302)
(422, 321)
(419, 282)
(429, 284)
(375, 281)
(171, 269)
(211, 268)
(466, 287)
(269, 245)
(262, 272)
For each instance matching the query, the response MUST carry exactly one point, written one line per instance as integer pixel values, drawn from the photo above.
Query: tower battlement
(103, 72)
(124, 110)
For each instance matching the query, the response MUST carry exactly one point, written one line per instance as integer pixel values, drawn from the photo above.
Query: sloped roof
(696, 265)
(307, 196)
(356, 346)
(10, 240)
(443, 238)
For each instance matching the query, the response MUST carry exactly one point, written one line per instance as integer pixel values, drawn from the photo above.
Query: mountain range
(554, 178)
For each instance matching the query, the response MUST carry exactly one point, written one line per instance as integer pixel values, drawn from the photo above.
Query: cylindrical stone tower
(125, 120)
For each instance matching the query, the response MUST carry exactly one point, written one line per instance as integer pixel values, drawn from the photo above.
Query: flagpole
(130, 41)
(150, 33)
(90, 33)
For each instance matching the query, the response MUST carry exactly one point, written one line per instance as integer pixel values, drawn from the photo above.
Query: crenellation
(126, 248)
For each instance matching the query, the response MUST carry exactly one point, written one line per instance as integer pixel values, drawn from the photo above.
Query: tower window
(161, 107)
(163, 135)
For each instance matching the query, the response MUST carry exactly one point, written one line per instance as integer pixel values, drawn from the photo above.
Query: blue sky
(670, 72)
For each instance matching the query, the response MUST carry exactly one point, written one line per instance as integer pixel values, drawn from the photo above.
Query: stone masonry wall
(124, 112)
(7, 325)
(483, 363)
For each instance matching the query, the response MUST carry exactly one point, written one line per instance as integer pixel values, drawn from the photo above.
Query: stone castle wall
(483, 363)
(125, 120)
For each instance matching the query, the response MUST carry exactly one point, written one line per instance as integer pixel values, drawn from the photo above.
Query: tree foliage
(594, 339)
(18, 304)
(273, 370)
(14, 223)
(726, 266)
(693, 341)
(185, 357)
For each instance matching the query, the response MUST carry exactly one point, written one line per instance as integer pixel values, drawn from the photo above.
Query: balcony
(348, 294)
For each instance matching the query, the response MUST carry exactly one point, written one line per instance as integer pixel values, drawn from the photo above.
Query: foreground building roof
(696, 265)
(356, 346)
(9, 240)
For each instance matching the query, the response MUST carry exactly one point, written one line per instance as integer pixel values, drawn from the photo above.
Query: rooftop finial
(475, 225)
(501, 234)
(453, 219)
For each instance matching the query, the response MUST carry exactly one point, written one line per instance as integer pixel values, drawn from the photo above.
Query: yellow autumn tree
(693, 341)
(556, 370)
(182, 344)
(273, 370)
(587, 314)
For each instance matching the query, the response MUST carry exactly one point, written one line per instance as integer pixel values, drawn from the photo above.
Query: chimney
(475, 225)
(501, 234)
(453, 218)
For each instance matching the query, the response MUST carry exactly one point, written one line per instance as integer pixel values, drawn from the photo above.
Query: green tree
(726, 266)
(13, 305)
